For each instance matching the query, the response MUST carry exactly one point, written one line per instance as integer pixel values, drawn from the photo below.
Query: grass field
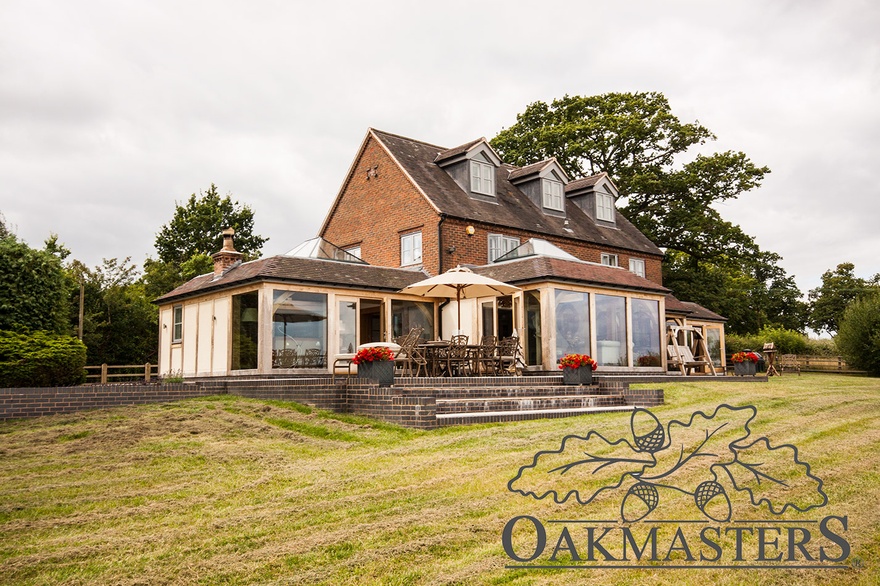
(226, 490)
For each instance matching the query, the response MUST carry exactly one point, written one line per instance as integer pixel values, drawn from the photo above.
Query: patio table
(434, 354)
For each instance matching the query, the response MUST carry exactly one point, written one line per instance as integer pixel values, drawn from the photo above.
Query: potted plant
(744, 363)
(375, 363)
(577, 369)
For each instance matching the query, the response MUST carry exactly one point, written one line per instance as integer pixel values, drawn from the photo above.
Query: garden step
(480, 404)
(500, 416)
(505, 392)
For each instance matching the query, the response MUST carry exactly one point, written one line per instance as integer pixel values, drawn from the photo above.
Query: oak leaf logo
(689, 457)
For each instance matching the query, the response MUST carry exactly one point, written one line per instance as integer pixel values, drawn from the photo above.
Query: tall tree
(33, 287)
(636, 139)
(839, 289)
(196, 227)
(120, 324)
(184, 244)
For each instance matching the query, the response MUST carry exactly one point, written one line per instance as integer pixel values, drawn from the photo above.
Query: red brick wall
(374, 213)
(475, 249)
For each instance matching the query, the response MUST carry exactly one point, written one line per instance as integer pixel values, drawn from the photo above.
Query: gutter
(440, 243)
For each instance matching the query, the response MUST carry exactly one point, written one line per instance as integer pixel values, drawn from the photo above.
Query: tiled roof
(585, 182)
(307, 271)
(691, 310)
(510, 208)
(448, 154)
(673, 305)
(545, 268)
(529, 169)
(700, 312)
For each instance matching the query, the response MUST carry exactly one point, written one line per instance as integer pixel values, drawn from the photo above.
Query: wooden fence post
(147, 372)
(104, 374)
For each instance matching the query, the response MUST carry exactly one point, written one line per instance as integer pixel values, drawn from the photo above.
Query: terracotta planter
(577, 376)
(378, 370)
(746, 368)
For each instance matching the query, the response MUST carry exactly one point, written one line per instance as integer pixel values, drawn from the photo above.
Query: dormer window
(604, 207)
(482, 178)
(473, 167)
(552, 195)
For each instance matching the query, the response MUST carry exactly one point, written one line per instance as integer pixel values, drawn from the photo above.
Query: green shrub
(858, 338)
(737, 343)
(785, 341)
(40, 359)
(822, 347)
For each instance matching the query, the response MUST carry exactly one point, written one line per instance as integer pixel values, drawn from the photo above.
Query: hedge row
(40, 359)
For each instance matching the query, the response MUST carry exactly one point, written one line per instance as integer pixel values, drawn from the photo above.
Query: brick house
(591, 282)
(464, 206)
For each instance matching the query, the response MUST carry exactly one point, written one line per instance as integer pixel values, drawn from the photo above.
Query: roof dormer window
(552, 195)
(604, 207)
(482, 178)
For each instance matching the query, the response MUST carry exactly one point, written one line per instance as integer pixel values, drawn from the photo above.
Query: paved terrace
(420, 402)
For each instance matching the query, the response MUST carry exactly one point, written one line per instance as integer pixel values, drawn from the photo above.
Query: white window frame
(605, 207)
(482, 178)
(609, 260)
(176, 324)
(499, 245)
(553, 195)
(354, 251)
(411, 249)
(637, 266)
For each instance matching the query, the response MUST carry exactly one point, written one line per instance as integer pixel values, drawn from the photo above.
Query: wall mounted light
(451, 249)
(470, 230)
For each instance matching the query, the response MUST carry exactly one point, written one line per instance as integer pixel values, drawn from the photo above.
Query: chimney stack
(227, 256)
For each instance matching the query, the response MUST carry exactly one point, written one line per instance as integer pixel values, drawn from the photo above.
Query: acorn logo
(708, 457)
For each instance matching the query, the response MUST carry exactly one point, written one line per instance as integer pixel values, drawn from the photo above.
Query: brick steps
(525, 403)
(501, 416)
(505, 399)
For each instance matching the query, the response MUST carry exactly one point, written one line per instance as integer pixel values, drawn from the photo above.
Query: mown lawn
(227, 490)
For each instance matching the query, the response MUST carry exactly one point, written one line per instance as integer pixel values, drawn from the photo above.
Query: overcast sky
(111, 111)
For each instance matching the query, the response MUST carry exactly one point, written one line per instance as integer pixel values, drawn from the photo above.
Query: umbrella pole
(458, 306)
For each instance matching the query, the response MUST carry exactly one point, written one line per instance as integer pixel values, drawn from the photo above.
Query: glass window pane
(713, 341)
(646, 332)
(347, 327)
(417, 247)
(611, 331)
(245, 330)
(177, 324)
(534, 355)
(572, 322)
(299, 329)
(406, 315)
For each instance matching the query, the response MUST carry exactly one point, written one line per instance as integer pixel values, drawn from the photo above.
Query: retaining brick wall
(34, 402)
(410, 407)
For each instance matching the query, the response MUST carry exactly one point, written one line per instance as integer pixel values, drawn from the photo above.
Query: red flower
(373, 354)
(743, 356)
(577, 361)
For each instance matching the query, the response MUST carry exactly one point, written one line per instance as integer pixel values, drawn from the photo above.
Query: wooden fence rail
(814, 363)
(139, 372)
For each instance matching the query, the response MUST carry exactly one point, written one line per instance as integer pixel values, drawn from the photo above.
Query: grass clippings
(227, 490)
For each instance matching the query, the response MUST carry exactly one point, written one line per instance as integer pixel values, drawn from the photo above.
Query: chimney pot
(226, 256)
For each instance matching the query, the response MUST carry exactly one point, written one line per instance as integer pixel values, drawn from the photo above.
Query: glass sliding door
(299, 329)
(646, 333)
(245, 330)
(488, 314)
(572, 312)
(532, 346)
(611, 331)
(347, 326)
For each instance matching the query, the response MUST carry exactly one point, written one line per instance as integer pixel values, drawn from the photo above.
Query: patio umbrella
(461, 283)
